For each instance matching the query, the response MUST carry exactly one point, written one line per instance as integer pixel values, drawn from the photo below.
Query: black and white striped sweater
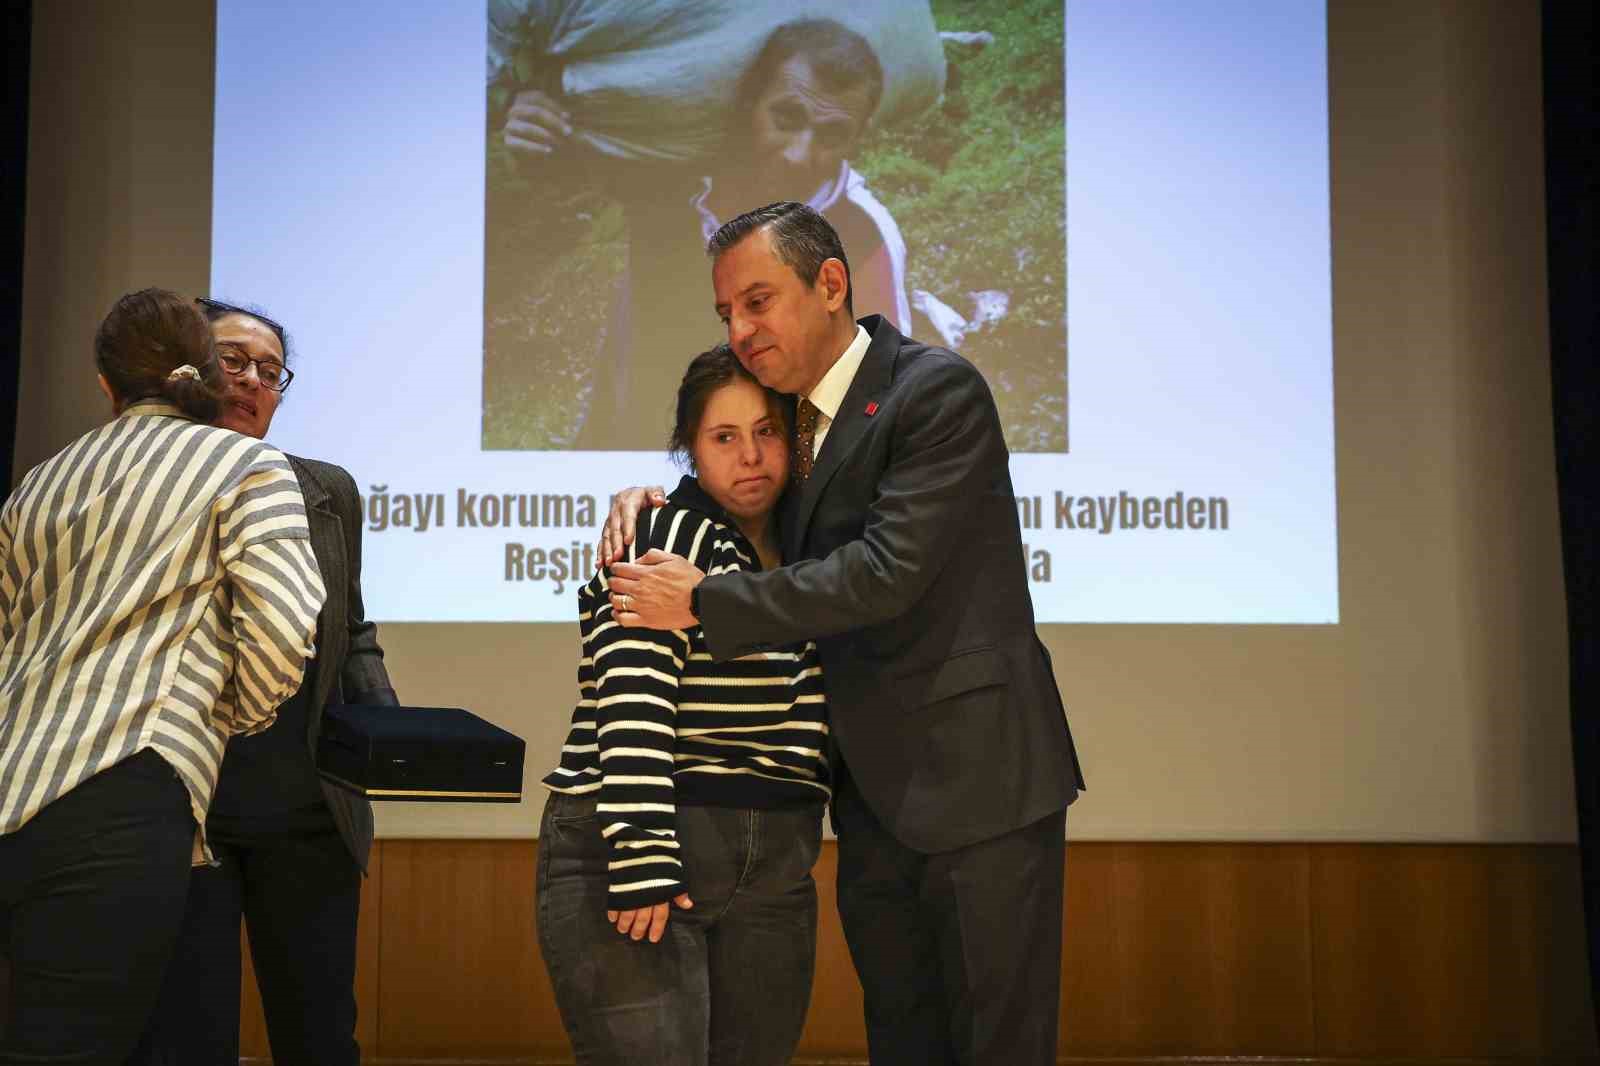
(659, 724)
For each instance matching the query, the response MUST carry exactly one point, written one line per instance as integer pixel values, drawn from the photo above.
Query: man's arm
(876, 290)
(949, 452)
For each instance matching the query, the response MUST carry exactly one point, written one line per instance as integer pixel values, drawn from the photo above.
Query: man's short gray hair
(801, 237)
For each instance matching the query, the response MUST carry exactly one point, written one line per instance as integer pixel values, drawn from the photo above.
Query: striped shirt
(658, 723)
(157, 590)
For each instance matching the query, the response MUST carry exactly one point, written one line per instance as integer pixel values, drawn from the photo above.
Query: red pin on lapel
(872, 408)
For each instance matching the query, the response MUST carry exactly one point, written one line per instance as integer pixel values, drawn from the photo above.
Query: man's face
(778, 326)
(800, 131)
(247, 406)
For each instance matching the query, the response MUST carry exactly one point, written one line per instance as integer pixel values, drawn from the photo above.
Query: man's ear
(834, 282)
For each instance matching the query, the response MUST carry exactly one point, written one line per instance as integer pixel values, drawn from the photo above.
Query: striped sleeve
(637, 673)
(277, 592)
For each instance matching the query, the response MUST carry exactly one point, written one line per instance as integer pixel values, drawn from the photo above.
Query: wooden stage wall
(1307, 951)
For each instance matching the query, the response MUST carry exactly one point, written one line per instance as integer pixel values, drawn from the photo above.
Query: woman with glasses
(158, 594)
(290, 849)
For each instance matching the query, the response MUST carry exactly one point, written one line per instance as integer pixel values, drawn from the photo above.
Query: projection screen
(1119, 213)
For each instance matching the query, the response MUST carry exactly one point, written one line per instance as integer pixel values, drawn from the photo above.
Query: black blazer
(941, 697)
(349, 664)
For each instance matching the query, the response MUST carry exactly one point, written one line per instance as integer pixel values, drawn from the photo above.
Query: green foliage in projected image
(976, 186)
(552, 258)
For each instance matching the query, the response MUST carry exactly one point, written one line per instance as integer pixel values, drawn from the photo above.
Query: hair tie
(184, 371)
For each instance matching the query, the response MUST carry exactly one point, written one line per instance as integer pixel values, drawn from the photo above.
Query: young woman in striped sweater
(677, 914)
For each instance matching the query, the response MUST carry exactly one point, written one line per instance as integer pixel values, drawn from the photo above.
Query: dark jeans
(299, 893)
(91, 896)
(959, 953)
(730, 981)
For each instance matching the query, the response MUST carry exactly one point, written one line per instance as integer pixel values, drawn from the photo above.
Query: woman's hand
(535, 124)
(647, 921)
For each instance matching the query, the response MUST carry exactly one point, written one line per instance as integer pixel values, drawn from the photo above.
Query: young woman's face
(247, 405)
(741, 452)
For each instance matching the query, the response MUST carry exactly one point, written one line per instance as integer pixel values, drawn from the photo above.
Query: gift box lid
(390, 723)
(419, 753)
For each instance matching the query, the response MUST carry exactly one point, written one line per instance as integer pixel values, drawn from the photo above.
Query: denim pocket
(570, 832)
(566, 813)
(793, 844)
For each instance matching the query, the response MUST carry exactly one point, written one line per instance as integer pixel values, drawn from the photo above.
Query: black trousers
(91, 897)
(959, 953)
(299, 893)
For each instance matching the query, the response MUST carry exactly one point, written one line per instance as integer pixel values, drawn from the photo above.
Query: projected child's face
(801, 131)
(741, 451)
(247, 405)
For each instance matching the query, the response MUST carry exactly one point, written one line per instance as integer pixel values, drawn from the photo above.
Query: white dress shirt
(829, 394)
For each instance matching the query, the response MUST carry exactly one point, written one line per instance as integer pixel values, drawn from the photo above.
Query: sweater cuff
(636, 884)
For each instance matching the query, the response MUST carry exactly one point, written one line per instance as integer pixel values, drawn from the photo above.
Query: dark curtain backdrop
(17, 34)
(13, 180)
(1569, 128)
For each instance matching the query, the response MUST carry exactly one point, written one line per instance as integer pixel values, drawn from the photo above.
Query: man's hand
(654, 592)
(647, 921)
(617, 533)
(536, 125)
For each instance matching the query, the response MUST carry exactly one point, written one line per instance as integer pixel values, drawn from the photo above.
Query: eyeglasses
(271, 373)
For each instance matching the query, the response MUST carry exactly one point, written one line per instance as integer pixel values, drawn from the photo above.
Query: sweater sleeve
(636, 700)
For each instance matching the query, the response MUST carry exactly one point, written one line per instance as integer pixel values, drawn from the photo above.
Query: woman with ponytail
(158, 595)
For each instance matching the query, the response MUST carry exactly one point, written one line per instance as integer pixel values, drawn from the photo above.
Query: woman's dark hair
(708, 372)
(219, 309)
(801, 239)
(143, 343)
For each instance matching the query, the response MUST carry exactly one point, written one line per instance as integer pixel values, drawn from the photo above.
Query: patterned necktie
(805, 438)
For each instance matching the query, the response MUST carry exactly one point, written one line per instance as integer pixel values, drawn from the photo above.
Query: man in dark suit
(953, 762)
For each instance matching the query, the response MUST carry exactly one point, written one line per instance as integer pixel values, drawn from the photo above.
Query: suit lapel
(870, 383)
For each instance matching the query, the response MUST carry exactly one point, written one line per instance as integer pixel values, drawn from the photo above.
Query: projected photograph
(524, 254)
(619, 136)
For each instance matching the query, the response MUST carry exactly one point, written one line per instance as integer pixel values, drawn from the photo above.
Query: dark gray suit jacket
(349, 663)
(941, 697)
